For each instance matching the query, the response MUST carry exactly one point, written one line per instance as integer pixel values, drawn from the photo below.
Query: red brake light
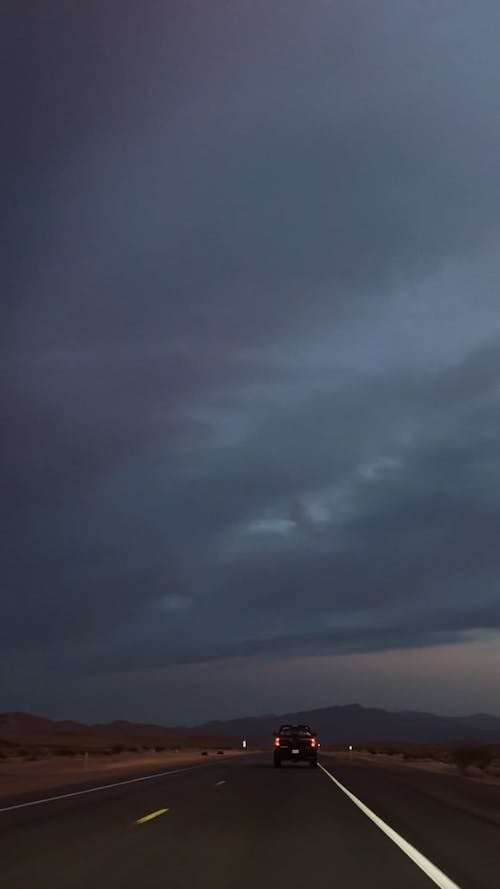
(313, 742)
(276, 742)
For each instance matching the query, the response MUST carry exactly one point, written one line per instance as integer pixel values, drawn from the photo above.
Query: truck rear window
(297, 732)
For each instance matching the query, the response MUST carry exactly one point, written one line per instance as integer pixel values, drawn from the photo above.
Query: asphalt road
(240, 824)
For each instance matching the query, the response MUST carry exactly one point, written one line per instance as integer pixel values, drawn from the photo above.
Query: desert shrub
(480, 757)
(494, 768)
(118, 748)
(159, 749)
(204, 752)
(65, 751)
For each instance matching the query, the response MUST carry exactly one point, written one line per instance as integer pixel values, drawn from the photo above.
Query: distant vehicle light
(276, 742)
(313, 742)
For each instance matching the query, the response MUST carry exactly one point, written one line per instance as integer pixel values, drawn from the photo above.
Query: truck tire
(313, 763)
(277, 762)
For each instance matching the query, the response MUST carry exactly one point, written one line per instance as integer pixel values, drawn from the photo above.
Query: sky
(250, 349)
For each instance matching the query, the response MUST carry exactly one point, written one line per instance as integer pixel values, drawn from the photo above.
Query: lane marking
(429, 869)
(151, 815)
(51, 799)
(218, 783)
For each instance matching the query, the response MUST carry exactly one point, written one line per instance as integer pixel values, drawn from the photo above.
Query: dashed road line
(152, 815)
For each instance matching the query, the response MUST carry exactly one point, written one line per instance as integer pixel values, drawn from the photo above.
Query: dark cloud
(251, 355)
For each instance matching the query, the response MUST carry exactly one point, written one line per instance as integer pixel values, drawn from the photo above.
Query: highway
(240, 824)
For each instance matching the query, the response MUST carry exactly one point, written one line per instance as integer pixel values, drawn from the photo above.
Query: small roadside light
(350, 747)
(244, 744)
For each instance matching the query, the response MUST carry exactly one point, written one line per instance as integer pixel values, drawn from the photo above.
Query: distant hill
(356, 724)
(27, 729)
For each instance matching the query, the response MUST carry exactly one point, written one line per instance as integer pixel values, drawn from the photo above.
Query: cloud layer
(251, 350)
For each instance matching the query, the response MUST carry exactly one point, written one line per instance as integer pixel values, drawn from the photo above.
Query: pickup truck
(295, 743)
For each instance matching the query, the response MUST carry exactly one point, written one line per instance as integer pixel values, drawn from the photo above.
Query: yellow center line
(151, 816)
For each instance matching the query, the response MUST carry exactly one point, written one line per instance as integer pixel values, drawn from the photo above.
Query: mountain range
(335, 725)
(356, 724)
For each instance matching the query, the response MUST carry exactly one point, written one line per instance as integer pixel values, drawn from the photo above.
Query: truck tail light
(313, 742)
(276, 742)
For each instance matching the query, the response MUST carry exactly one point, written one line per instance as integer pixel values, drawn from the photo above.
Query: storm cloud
(251, 340)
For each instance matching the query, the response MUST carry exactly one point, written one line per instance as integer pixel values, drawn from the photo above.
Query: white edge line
(429, 869)
(51, 799)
